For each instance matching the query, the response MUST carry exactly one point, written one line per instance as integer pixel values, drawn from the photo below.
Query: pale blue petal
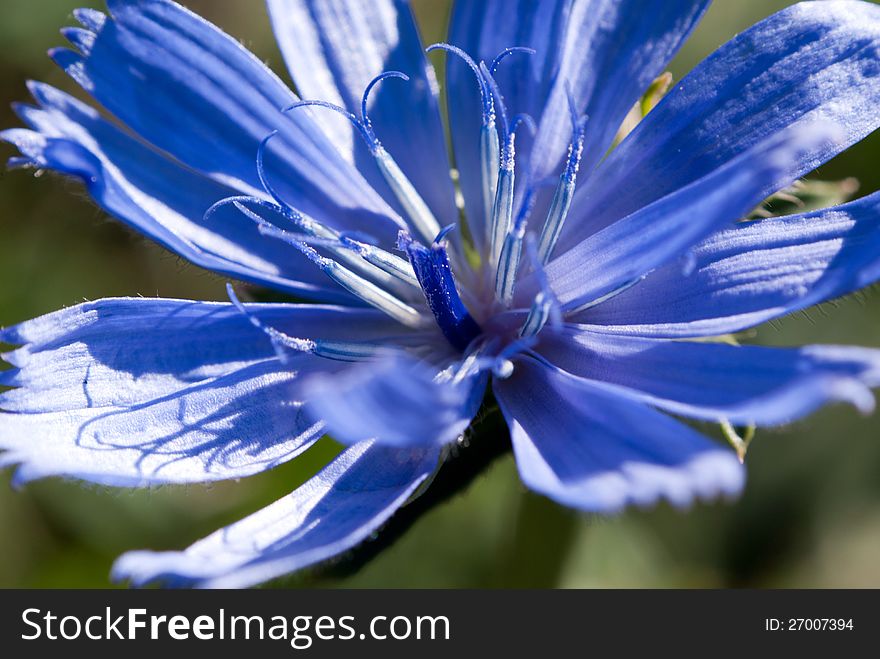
(813, 60)
(199, 95)
(714, 381)
(235, 425)
(124, 351)
(632, 247)
(751, 273)
(336, 510)
(157, 196)
(133, 392)
(589, 446)
(333, 49)
(397, 401)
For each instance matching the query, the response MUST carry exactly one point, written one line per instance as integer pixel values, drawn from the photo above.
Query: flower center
(406, 289)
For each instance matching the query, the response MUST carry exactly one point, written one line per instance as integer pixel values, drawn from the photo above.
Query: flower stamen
(379, 265)
(384, 269)
(490, 144)
(370, 261)
(502, 209)
(545, 306)
(420, 217)
(565, 189)
(490, 147)
(493, 67)
(360, 287)
(511, 251)
(386, 261)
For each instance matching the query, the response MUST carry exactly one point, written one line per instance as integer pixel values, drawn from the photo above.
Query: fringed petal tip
(710, 476)
(714, 474)
(79, 38)
(134, 391)
(91, 19)
(29, 143)
(854, 392)
(746, 385)
(596, 448)
(9, 460)
(141, 567)
(707, 478)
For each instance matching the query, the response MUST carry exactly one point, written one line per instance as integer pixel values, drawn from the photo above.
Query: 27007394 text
(808, 624)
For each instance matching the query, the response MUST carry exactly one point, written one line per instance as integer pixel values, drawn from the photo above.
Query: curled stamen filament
(378, 265)
(337, 350)
(504, 54)
(420, 217)
(502, 210)
(489, 145)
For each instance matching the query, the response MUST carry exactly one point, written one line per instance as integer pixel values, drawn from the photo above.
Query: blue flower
(568, 283)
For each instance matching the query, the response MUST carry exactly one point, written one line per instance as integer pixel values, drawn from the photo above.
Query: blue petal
(120, 352)
(630, 248)
(630, 43)
(196, 93)
(606, 51)
(333, 49)
(812, 60)
(751, 273)
(712, 381)
(397, 401)
(134, 392)
(334, 511)
(484, 29)
(91, 19)
(591, 447)
(79, 38)
(231, 426)
(157, 196)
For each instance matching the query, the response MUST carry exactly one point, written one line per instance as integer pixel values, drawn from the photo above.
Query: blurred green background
(810, 516)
